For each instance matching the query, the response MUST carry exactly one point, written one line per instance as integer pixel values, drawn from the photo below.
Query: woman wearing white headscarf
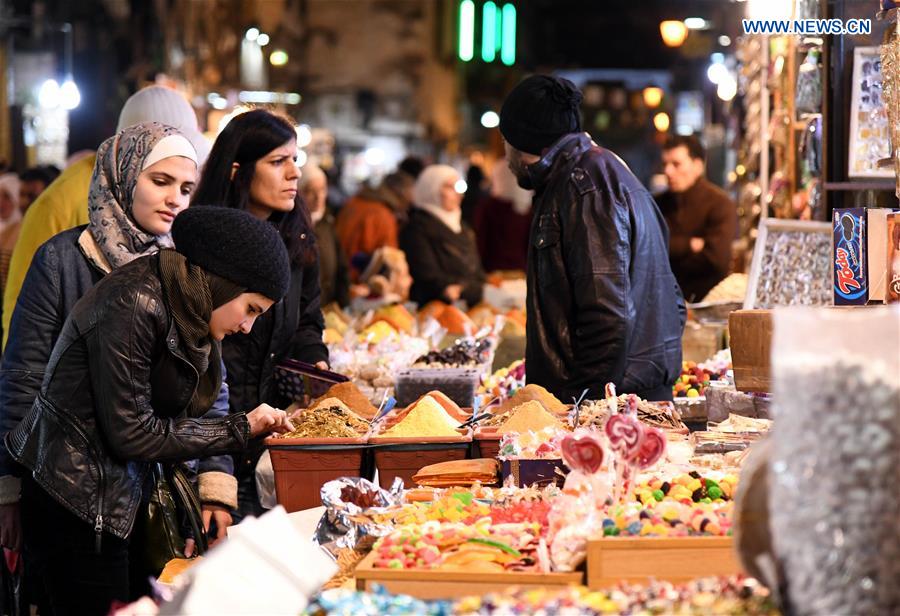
(441, 251)
(143, 178)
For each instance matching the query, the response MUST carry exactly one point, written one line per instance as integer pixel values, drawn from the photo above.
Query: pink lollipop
(653, 445)
(582, 452)
(625, 433)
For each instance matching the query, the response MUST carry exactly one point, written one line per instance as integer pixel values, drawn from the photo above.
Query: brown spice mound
(349, 394)
(529, 393)
(327, 422)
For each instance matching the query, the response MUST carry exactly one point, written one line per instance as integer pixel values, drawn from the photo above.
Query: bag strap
(183, 490)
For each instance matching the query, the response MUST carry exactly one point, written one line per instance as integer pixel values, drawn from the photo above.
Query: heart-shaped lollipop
(653, 445)
(625, 433)
(582, 452)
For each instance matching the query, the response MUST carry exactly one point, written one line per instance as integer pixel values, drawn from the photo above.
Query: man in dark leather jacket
(603, 304)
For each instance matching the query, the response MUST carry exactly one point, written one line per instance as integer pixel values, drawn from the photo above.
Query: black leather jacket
(115, 397)
(603, 305)
(60, 274)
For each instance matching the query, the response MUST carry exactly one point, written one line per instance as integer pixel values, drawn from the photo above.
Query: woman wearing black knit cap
(252, 167)
(131, 379)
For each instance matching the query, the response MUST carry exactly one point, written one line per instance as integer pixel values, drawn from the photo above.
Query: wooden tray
(465, 436)
(273, 441)
(676, 559)
(440, 584)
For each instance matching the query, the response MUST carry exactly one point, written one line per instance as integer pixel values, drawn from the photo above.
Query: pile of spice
(529, 417)
(426, 418)
(529, 393)
(332, 419)
(351, 396)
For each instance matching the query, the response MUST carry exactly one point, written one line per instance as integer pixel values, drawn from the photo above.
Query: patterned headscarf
(120, 160)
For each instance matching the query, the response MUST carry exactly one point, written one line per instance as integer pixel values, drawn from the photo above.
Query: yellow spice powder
(427, 418)
(529, 416)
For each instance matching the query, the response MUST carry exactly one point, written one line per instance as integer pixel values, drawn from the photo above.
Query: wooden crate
(438, 584)
(676, 559)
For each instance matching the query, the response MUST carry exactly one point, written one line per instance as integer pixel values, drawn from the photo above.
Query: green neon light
(466, 30)
(489, 23)
(508, 47)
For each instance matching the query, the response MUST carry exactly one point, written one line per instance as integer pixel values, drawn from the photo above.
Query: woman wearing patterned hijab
(143, 179)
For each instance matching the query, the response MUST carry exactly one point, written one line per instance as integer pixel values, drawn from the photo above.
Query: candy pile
(668, 519)
(481, 546)
(686, 488)
(453, 506)
(702, 597)
(332, 419)
(503, 382)
(338, 601)
(695, 379)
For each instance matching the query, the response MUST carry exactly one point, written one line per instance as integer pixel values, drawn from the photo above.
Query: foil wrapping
(353, 523)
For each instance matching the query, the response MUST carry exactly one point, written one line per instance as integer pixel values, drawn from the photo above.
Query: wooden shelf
(860, 185)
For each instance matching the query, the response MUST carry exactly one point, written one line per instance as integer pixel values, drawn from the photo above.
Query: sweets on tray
(686, 488)
(458, 473)
(330, 420)
(668, 519)
(480, 546)
(701, 597)
(426, 418)
(595, 413)
(351, 396)
(695, 379)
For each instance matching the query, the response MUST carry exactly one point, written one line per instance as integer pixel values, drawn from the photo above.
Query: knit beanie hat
(236, 246)
(538, 112)
(166, 106)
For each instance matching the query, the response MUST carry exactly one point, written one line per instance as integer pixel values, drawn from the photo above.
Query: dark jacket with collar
(438, 258)
(603, 305)
(60, 274)
(116, 396)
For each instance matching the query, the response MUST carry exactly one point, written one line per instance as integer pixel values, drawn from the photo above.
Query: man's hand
(222, 516)
(697, 244)
(11, 527)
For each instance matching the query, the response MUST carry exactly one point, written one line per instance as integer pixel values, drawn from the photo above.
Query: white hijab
(505, 186)
(427, 195)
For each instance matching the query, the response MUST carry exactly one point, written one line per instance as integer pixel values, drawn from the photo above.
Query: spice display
(351, 396)
(529, 417)
(332, 421)
(529, 393)
(426, 418)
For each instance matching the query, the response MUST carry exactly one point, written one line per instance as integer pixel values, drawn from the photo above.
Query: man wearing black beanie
(603, 304)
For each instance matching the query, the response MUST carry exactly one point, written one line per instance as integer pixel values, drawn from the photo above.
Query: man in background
(702, 219)
(603, 305)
